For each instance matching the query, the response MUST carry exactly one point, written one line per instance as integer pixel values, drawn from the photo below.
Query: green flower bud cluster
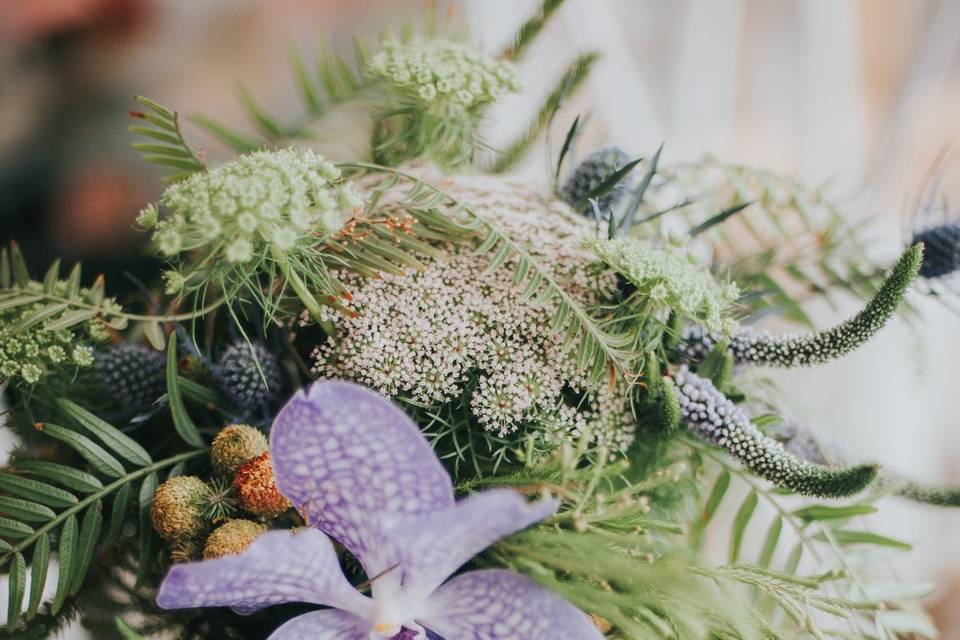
(439, 71)
(668, 277)
(713, 417)
(30, 350)
(751, 346)
(265, 203)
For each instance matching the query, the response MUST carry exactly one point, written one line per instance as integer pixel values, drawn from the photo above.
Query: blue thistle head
(249, 376)
(942, 249)
(132, 374)
(590, 174)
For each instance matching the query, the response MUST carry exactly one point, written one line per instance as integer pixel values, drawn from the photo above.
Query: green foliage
(48, 328)
(72, 515)
(167, 146)
(571, 80)
(792, 244)
(529, 30)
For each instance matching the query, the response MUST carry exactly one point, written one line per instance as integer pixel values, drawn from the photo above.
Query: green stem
(170, 317)
(93, 497)
(300, 288)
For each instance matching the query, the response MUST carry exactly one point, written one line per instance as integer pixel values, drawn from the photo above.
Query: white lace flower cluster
(669, 277)
(444, 71)
(453, 328)
(276, 200)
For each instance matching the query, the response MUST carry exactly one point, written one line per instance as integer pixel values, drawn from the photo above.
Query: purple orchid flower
(360, 471)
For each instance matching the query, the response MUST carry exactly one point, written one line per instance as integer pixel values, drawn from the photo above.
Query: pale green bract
(669, 277)
(444, 71)
(270, 200)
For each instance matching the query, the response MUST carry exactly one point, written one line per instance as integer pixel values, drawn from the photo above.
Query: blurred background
(859, 94)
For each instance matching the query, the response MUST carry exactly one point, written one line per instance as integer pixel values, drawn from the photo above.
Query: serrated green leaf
(118, 512)
(826, 512)
(158, 108)
(16, 584)
(568, 142)
(67, 558)
(21, 275)
(14, 529)
(41, 314)
(740, 522)
(845, 537)
(37, 491)
(68, 476)
(94, 454)
(181, 419)
(147, 489)
(164, 150)
(239, 142)
(52, 276)
(177, 163)
(39, 567)
(153, 133)
(267, 125)
(24, 510)
(308, 91)
(770, 542)
(5, 279)
(87, 543)
(611, 181)
(114, 439)
(720, 486)
(793, 560)
(71, 318)
(73, 281)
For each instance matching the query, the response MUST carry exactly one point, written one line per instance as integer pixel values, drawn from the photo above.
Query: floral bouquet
(397, 394)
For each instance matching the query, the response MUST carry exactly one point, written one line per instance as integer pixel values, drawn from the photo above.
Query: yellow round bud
(177, 508)
(232, 537)
(235, 445)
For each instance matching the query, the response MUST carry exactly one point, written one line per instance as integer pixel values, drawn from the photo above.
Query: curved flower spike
(359, 470)
(750, 346)
(712, 416)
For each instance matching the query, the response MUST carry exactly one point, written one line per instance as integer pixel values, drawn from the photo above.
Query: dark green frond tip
(713, 417)
(796, 350)
(939, 496)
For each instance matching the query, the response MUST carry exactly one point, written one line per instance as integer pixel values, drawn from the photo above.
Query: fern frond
(72, 514)
(568, 83)
(530, 29)
(167, 147)
(600, 353)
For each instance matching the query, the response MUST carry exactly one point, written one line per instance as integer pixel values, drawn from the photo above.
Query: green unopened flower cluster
(668, 277)
(751, 346)
(712, 416)
(30, 351)
(265, 203)
(438, 71)
(441, 89)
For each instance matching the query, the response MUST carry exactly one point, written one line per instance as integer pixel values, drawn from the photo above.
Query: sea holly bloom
(359, 470)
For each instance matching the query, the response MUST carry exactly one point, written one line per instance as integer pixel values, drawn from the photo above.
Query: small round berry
(232, 538)
(256, 489)
(177, 508)
(235, 445)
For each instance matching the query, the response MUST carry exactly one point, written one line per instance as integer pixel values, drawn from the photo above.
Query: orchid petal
(280, 566)
(496, 604)
(328, 624)
(353, 463)
(433, 546)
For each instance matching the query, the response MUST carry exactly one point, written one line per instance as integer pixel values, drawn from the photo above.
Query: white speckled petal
(434, 545)
(329, 624)
(280, 566)
(353, 464)
(496, 604)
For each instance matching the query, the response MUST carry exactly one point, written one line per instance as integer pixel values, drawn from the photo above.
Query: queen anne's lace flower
(453, 327)
(437, 70)
(669, 277)
(263, 200)
(360, 471)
